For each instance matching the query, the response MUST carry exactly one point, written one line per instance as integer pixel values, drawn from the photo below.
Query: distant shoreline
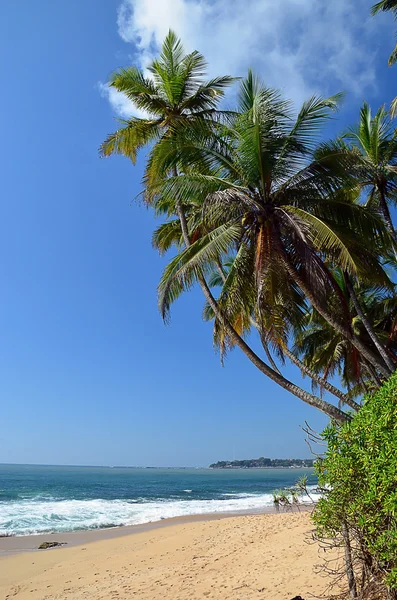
(264, 463)
(132, 467)
(253, 468)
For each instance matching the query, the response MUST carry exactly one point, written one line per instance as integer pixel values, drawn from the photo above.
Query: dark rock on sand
(46, 545)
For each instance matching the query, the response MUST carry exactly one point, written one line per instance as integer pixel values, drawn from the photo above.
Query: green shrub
(359, 476)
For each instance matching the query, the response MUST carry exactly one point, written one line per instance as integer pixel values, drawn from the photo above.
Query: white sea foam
(36, 516)
(43, 515)
(238, 495)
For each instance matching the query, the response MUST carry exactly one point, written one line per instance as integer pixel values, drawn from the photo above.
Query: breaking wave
(39, 515)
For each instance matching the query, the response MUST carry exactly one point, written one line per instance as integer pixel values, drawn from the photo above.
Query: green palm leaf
(186, 268)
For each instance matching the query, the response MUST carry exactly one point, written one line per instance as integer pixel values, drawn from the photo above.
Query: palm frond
(314, 113)
(167, 235)
(384, 5)
(186, 268)
(142, 92)
(324, 238)
(129, 139)
(206, 95)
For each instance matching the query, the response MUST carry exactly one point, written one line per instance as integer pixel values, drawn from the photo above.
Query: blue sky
(88, 372)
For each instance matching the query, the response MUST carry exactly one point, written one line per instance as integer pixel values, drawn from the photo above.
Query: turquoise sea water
(36, 499)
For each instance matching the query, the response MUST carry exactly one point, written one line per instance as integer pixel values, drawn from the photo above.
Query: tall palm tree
(173, 94)
(279, 210)
(387, 5)
(171, 233)
(374, 144)
(175, 98)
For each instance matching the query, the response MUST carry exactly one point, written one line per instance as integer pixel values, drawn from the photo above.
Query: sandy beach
(254, 556)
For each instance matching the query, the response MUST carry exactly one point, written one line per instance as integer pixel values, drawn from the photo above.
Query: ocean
(44, 499)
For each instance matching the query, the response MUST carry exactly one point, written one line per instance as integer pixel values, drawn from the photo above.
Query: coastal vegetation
(357, 511)
(257, 463)
(291, 239)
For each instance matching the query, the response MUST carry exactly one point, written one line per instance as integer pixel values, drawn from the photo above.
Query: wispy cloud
(300, 46)
(120, 103)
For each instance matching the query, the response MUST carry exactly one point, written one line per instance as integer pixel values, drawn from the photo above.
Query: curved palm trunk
(372, 373)
(307, 371)
(386, 213)
(363, 349)
(329, 409)
(368, 325)
(268, 354)
(325, 407)
(320, 380)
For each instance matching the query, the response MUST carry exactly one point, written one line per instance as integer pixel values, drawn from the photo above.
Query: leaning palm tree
(387, 5)
(174, 98)
(197, 167)
(281, 212)
(172, 95)
(169, 236)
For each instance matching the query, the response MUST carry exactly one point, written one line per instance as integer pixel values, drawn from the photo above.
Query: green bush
(359, 476)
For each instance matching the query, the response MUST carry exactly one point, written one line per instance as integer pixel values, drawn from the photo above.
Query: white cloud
(120, 103)
(300, 46)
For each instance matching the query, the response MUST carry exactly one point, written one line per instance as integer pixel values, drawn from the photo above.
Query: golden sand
(265, 557)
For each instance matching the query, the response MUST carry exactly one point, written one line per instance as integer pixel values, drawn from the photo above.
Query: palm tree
(291, 323)
(175, 98)
(368, 151)
(373, 142)
(282, 213)
(387, 5)
(173, 95)
(325, 351)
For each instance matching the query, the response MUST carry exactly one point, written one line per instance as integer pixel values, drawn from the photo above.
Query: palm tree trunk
(386, 212)
(329, 409)
(363, 349)
(372, 373)
(320, 380)
(181, 215)
(387, 216)
(368, 325)
(307, 371)
(266, 349)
